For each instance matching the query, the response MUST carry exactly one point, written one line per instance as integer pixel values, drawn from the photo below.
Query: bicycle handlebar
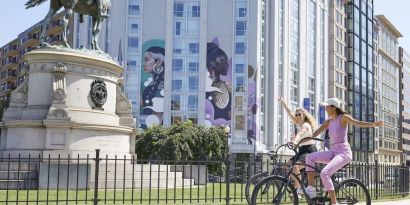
(273, 154)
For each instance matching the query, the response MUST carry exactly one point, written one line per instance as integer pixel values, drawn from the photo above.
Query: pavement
(395, 202)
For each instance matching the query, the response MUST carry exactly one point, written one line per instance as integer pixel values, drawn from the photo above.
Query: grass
(210, 194)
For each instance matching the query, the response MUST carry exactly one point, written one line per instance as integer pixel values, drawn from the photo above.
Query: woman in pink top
(340, 153)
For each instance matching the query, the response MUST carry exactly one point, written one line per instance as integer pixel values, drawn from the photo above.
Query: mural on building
(252, 105)
(218, 86)
(152, 83)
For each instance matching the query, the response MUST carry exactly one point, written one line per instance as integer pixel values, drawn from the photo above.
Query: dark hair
(212, 52)
(157, 50)
(339, 111)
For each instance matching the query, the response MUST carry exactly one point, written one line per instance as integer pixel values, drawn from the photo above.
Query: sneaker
(310, 191)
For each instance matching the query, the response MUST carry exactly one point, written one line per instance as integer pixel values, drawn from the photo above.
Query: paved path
(396, 202)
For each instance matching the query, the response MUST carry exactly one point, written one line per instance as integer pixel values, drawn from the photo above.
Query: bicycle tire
(347, 190)
(269, 183)
(255, 179)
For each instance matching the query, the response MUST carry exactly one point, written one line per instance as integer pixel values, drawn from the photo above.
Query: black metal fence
(127, 180)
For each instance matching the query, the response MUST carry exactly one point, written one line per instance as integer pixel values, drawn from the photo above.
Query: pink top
(337, 133)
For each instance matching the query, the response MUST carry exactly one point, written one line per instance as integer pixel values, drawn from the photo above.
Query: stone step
(138, 175)
(18, 184)
(11, 175)
(136, 167)
(138, 184)
(15, 166)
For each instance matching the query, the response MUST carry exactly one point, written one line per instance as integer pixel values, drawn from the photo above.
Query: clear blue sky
(15, 18)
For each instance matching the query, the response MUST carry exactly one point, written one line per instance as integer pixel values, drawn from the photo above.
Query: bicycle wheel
(352, 191)
(274, 190)
(255, 179)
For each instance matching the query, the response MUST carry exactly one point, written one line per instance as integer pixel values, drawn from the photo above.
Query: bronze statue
(97, 9)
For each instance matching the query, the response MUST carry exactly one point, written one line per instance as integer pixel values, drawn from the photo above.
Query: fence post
(97, 166)
(227, 178)
(376, 164)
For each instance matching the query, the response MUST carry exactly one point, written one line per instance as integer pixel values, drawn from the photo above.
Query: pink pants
(337, 157)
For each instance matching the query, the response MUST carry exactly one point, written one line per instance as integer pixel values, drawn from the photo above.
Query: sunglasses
(298, 114)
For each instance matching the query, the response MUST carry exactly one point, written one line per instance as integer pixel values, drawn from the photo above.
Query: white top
(307, 133)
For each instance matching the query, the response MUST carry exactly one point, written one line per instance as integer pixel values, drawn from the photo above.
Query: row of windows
(187, 9)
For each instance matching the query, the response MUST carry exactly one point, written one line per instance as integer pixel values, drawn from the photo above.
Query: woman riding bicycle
(340, 152)
(306, 125)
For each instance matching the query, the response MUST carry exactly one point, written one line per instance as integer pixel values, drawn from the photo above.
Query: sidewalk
(395, 202)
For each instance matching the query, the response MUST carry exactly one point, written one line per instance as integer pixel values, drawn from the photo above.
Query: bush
(183, 141)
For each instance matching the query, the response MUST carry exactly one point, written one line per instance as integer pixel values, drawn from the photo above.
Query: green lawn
(211, 194)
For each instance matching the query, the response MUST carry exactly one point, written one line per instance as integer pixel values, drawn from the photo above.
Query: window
(133, 44)
(178, 28)
(176, 85)
(239, 68)
(193, 48)
(177, 65)
(240, 84)
(239, 122)
(192, 103)
(193, 83)
(241, 12)
(195, 11)
(176, 102)
(133, 9)
(179, 9)
(240, 28)
(193, 67)
(133, 28)
(132, 65)
(240, 48)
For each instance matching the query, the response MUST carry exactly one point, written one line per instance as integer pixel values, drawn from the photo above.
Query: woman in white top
(306, 126)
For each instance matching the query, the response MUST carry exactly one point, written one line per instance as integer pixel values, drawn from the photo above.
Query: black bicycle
(276, 189)
(255, 179)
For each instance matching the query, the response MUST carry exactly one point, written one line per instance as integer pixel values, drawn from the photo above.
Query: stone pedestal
(53, 111)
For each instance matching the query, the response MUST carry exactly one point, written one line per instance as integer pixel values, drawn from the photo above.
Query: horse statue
(97, 9)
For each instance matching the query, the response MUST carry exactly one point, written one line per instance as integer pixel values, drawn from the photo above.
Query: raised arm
(322, 128)
(349, 119)
(285, 106)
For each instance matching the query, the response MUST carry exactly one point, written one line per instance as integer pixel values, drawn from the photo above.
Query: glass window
(241, 12)
(133, 28)
(193, 83)
(177, 65)
(239, 122)
(179, 9)
(176, 102)
(196, 11)
(240, 28)
(192, 103)
(240, 84)
(133, 9)
(176, 119)
(176, 85)
(132, 42)
(193, 48)
(240, 48)
(239, 103)
(193, 67)
(239, 68)
(178, 28)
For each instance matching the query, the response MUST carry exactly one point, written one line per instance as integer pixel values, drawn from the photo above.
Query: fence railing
(128, 180)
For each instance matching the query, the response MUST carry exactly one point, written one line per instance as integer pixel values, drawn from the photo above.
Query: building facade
(388, 78)
(405, 104)
(360, 76)
(337, 49)
(12, 67)
(185, 60)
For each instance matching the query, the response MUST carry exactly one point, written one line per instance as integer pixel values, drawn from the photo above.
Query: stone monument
(70, 103)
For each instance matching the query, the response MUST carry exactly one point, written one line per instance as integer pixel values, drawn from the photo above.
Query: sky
(15, 18)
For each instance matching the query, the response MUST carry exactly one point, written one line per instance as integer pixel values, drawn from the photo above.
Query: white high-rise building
(222, 63)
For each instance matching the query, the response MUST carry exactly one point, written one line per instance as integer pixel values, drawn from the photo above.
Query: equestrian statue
(97, 9)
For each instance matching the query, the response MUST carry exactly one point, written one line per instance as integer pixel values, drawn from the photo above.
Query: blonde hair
(308, 118)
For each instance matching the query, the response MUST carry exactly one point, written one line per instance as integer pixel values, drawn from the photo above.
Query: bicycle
(348, 191)
(255, 179)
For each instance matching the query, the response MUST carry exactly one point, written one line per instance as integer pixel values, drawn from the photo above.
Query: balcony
(30, 40)
(10, 50)
(55, 27)
(10, 76)
(9, 63)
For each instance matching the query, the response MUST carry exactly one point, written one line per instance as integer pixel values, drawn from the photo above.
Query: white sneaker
(310, 191)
